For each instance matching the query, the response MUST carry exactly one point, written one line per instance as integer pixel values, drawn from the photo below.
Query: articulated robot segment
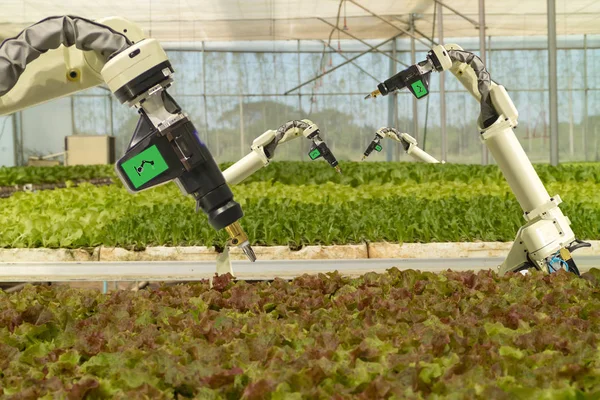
(546, 241)
(263, 149)
(408, 143)
(62, 55)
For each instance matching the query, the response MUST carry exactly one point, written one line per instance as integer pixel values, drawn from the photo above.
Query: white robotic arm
(263, 149)
(546, 241)
(62, 55)
(61, 71)
(408, 143)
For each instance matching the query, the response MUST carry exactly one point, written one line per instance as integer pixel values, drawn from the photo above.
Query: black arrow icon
(140, 169)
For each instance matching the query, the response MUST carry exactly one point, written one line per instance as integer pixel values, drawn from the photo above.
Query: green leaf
(507, 351)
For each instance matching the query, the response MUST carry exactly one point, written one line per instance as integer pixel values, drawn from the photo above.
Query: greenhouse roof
(228, 20)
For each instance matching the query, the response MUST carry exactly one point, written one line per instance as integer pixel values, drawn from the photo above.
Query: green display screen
(378, 147)
(314, 154)
(419, 88)
(145, 166)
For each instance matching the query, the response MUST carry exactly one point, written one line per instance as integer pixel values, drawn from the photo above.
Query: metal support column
(484, 150)
(585, 100)
(413, 61)
(215, 150)
(395, 113)
(21, 158)
(73, 131)
(15, 139)
(302, 147)
(442, 89)
(488, 55)
(242, 139)
(299, 81)
(112, 128)
(552, 80)
(392, 103)
(111, 115)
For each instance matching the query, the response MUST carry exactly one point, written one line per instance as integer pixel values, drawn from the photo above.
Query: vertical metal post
(15, 139)
(552, 81)
(585, 99)
(489, 62)
(488, 55)
(302, 147)
(73, 132)
(21, 159)
(413, 61)
(242, 145)
(206, 138)
(442, 88)
(111, 116)
(571, 130)
(390, 149)
(394, 115)
(299, 81)
(395, 55)
(484, 150)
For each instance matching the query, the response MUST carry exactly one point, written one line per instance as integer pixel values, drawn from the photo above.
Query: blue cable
(555, 259)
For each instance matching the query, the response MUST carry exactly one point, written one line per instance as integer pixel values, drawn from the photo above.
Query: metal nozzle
(338, 169)
(247, 249)
(239, 238)
(363, 158)
(373, 94)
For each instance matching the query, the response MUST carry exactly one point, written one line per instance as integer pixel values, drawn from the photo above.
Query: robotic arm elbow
(264, 147)
(409, 144)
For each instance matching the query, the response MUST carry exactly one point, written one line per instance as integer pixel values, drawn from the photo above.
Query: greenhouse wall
(234, 92)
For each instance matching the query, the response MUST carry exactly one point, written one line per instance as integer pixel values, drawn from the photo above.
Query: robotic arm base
(540, 241)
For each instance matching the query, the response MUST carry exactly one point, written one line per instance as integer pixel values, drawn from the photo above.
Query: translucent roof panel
(229, 20)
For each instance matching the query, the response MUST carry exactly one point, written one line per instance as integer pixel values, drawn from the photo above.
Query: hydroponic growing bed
(294, 204)
(399, 335)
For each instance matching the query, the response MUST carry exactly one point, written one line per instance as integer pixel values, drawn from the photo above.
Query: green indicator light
(314, 154)
(378, 147)
(419, 89)
(145, 166)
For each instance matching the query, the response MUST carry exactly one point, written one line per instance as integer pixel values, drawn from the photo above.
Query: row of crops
(299, 173)
(398, 335)
(293, 204)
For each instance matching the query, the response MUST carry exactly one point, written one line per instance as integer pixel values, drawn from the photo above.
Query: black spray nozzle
(320, 149)
(414, 78)
(374, 145)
